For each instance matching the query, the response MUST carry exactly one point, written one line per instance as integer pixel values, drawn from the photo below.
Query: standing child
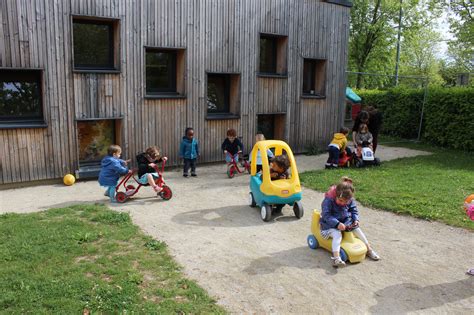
(232, 146)
(189, 151)
(261, 137)
(279, 167)
(111, 167)
(339, 213)
(337, 145)
(147, 161)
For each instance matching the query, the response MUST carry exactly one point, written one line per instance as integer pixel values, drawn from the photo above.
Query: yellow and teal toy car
(273, 195)
(352, 248)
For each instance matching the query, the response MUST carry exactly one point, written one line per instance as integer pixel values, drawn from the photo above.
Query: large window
(20, 97)
(95, 44)
(164, 72)
(273, 54)
(222, 94)
(314, 77)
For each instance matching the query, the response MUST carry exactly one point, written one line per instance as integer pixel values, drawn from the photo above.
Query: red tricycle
(131, 190)
(346, 159)
(233, 167)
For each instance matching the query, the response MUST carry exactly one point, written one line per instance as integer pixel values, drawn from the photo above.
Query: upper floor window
(314, 77)
(164, 72)
(20, 97)
(273, 52)
(95, 44)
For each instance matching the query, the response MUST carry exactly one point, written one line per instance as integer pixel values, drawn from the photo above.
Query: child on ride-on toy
(232, 146)
(146, 163)
(363, 137)
(111, 167)
(339, 213)
(261, 137)
(337, 145)
(279, 167)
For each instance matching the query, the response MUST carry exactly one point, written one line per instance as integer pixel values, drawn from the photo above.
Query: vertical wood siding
(218, 35)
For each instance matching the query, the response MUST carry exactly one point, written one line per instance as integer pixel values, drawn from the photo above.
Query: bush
(448, 114)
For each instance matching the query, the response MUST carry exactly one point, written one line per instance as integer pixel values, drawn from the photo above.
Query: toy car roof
(279, 147)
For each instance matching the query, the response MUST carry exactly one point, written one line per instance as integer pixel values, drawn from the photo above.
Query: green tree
(462, 25)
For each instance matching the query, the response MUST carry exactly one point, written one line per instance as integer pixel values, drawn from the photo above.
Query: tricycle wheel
(266, 212)
(377, 162)
(231, 171)
(312, 241)
(121, 197)
(359, 163)
(247, 167)
(298, 209)
(166, 193)
(251, 200)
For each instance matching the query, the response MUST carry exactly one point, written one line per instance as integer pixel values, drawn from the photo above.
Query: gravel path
(255, 267)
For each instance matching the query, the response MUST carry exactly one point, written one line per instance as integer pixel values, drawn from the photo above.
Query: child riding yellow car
(275, 187)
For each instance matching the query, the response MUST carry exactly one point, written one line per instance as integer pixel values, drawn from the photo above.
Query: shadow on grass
(409, 297)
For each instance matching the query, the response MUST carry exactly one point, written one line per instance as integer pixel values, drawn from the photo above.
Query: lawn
(90, 259)
(429, 187)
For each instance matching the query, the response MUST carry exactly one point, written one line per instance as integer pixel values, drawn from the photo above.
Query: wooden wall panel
(218, 35)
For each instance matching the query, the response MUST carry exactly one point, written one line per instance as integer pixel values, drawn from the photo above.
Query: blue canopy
(352, 96)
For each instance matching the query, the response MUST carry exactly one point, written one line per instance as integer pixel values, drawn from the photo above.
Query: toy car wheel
(377, 162)
(166, 193)
(359, 163)
(312, 242)
(298, 209)
(130, 187)
(121, 197)
(231, 171)
(266, 212)
(343, 255)
(252, 202)
(348, 164)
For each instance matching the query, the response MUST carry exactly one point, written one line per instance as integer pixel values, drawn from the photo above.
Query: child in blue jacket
(339, 213)
(110, 170)
(189, 151)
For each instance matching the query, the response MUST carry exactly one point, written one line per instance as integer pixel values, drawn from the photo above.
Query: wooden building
(78, 75)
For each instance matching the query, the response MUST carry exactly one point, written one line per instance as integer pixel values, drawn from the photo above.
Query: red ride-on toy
(346, 159)
(131, 190)
(233, 167)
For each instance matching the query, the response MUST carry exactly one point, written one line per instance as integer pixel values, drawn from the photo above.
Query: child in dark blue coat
(189, 151)
(110, 170)
(339, 213)
(232, 146)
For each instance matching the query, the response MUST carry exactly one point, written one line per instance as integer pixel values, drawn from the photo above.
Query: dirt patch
(255, 267)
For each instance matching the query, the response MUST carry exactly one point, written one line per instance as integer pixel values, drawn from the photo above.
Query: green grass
(88, 257)
(429, 187)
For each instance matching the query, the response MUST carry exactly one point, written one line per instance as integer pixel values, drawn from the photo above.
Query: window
(222, 94)
(273, 54)
(164, 72)
(95, 44)
(314, 77)
(21, 97)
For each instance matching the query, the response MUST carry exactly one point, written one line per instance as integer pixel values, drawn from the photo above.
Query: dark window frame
(114, 44)
(317, 70)
(227, 104)
(34, 121)
(172, 76)
(274, 54)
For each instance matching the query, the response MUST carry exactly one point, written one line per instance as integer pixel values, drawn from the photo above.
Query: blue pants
(228, 157)
(333, 156)
(111, 193)
(189, 163)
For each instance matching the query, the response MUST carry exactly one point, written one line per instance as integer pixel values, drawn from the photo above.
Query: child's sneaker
(373, 255)
(157, 189)
(193, 174)
(185, 175)
(337, 262)
(106, 193)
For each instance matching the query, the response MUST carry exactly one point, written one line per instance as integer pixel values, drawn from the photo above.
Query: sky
(443, 29)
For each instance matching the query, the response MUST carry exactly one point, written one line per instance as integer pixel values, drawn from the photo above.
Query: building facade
(78, 75)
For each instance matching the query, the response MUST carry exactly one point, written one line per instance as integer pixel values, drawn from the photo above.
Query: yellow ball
(69, 179)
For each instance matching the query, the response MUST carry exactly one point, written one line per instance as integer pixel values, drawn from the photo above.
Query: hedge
(448, 114)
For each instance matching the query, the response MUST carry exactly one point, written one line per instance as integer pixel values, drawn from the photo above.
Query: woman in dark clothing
(373, 119)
